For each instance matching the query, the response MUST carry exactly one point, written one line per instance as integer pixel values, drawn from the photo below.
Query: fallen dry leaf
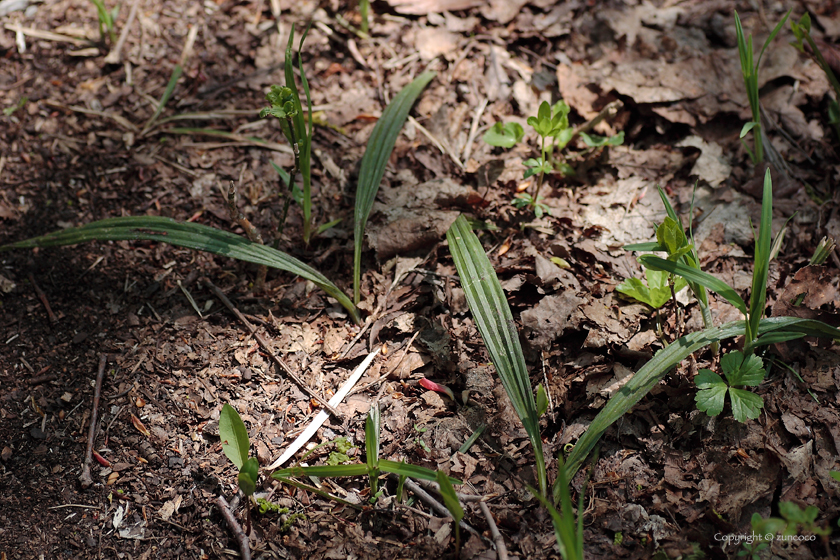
(140, 427)
(425, 7)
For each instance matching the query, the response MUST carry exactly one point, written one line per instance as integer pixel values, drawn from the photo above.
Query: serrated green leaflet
(712, 392)
(234, 436)
(494, 321)
(745, 404)
(379, 148)
(192, 236)
(741, 370)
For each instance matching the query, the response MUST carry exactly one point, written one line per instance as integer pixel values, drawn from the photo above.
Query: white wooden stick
(322, 416)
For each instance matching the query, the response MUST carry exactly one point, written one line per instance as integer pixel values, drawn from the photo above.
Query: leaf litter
(669, 477)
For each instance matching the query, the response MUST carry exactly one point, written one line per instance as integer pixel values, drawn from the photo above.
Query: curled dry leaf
(432, 386)
(101, 460)
(140, 427)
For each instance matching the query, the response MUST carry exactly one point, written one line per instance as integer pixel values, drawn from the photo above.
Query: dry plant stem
(436, 505)
(236, 529)
(43, 297)
(114, 57)
(250, 231)
(609, 111)
(501, 549)
(85, 478)
(267, 349)
(474, 130)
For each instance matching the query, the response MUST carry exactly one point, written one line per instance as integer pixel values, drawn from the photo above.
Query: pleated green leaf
(192, 236)
(378, 151)
(494, 321)
(668, 358)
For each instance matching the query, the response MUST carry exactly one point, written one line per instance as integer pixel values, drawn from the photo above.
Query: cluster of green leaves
(670, 239)
(749, 70)
(741, 370)
(793, 521)
(288, 109)
(552, 125)
(802, 33)
(107, 20)
(236, 446)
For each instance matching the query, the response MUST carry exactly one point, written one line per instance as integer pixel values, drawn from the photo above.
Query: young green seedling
(372, 467)
(740, 371)
(802, 32)
(107, 19)
(552, 126)
(450, 500)
(236, 445)
(288, 109)
(758, 331)
(750, 73)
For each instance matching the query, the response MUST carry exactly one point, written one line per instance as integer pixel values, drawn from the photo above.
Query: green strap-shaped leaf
(378, 151)
(666, 359)
(758, 294)
(494, 321)
(192, 236)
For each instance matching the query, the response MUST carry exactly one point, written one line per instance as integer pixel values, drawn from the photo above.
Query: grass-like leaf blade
(697, 276)
(357, 469)
(494, 321)
(192, 236)
(378, 151)
(758, 295)
(411, 471)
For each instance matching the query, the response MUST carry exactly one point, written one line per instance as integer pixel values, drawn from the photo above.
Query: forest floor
(669, 481)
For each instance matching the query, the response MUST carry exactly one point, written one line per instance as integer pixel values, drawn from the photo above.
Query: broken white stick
(322, 416)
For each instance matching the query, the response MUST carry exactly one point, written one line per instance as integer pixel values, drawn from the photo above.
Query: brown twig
(267, 349)
(43, 297)
(437, 506)
(501, 549)
(85, 478)
(42, 379)
(241, 537)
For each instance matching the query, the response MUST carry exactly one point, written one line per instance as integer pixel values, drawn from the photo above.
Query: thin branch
(236, 529)
(85, 477)
(501, 549)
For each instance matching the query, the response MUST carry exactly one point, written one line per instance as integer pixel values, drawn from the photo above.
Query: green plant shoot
(749, 69)
(236, 445)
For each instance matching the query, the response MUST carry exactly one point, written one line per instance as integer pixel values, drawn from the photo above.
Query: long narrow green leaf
(698, 276)
(666, 359)
(378, 151)
(192, 236)
(412, 471)
(758, 295)
(494, 320)
(170, 87)
(372, 447)
(322, 471)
